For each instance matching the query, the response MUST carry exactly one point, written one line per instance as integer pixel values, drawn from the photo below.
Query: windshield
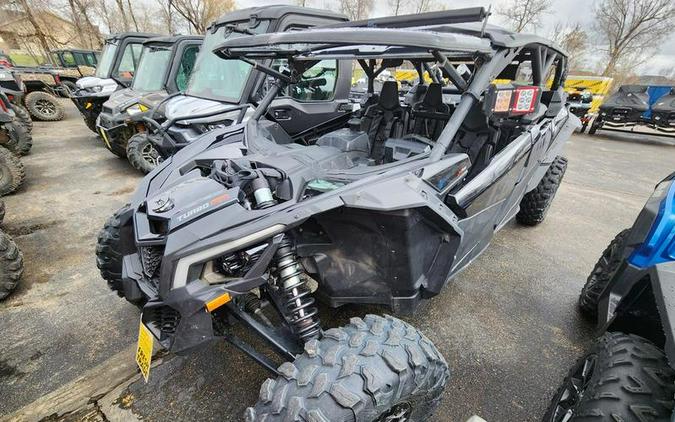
(107, 58)
(218, 79)
(151, 69)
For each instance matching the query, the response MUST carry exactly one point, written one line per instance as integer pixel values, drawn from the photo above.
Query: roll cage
(491, 52)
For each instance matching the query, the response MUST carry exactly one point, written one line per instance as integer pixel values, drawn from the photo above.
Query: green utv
(163, 70)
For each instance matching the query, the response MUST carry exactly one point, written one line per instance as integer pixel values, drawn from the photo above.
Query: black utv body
(115, 70)
(163, 70)
(219, 91)
(663, 111)
(244, 225)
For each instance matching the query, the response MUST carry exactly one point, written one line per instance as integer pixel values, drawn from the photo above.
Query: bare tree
(39, 33)
(632, 28)
(356, 9)
(200, 13)
(574, 40)
(522, 14)
(120, 6)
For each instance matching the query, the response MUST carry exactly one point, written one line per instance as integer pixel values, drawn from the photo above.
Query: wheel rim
(573, 390)
(45, 107)
(398, 413)
(150, 154)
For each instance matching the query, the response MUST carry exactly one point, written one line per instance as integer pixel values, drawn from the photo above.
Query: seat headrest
(434, 95)
(389, 95)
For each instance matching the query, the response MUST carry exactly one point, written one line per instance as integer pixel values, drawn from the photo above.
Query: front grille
(163, 320)
(151, 258)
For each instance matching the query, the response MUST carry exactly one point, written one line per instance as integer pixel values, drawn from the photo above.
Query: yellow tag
(105, 138)
(88, 106)
(144, 350)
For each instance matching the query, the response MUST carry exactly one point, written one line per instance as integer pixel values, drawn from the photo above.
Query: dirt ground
(507, 326)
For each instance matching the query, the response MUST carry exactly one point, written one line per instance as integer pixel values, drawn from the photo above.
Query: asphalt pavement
(507, 325)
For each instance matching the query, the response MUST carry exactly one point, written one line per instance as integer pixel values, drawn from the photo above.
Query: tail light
(509, 101)
(57, 78)
(3, 106)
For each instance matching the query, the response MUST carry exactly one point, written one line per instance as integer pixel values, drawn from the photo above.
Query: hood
(183, 106)
(96, 86)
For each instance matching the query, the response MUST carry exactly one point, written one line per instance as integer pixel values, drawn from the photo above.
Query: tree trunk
(78, 23)
(38, 31)
(120, 6)
(133, 17)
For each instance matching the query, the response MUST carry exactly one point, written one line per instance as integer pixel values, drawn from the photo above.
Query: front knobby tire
(602, 273)
(11, 265)
(23, 116)
(142, 154)
(623, 378)
(535, 204)
(21, 139)
(12, 172)
(109, 252)
(374, 369)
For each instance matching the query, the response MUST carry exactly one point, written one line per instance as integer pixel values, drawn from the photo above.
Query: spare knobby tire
(142, 154)
(11, 265)
(11, 172)
(535, 204)
(23, 116)
(44, 106)
(372, 369)
(623, 378)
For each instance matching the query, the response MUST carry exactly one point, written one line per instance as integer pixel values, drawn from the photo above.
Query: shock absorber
(298, 299)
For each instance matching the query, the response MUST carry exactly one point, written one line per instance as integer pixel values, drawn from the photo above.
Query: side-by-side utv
(628, 374)
(114, 71)
(219, 90)
(164, 68)
(244, 225)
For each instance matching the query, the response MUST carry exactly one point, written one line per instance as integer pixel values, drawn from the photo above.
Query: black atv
(246, 226)
(163, 70)
(579, 103)
(628, 374)
(114, 71)
(663, 112)
(219, 91)
(624, 108)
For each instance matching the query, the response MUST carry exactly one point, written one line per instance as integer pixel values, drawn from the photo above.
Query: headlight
(95, 89)
(6, 76)
(135, 109)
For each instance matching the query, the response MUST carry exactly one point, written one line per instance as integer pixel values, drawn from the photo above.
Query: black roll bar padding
(465, 15)
(450, 70)
(260, 111)
(432, 74)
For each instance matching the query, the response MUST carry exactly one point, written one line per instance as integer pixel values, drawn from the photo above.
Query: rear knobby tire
(109, 254)
(371, 368)
(602, 273)
(535, 204)
(142, 154)
(623, 378)
(11, 265)
(23, 116)
(44, 106)
(11, 172)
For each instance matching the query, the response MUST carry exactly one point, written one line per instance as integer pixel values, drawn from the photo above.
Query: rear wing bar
(446, 17)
